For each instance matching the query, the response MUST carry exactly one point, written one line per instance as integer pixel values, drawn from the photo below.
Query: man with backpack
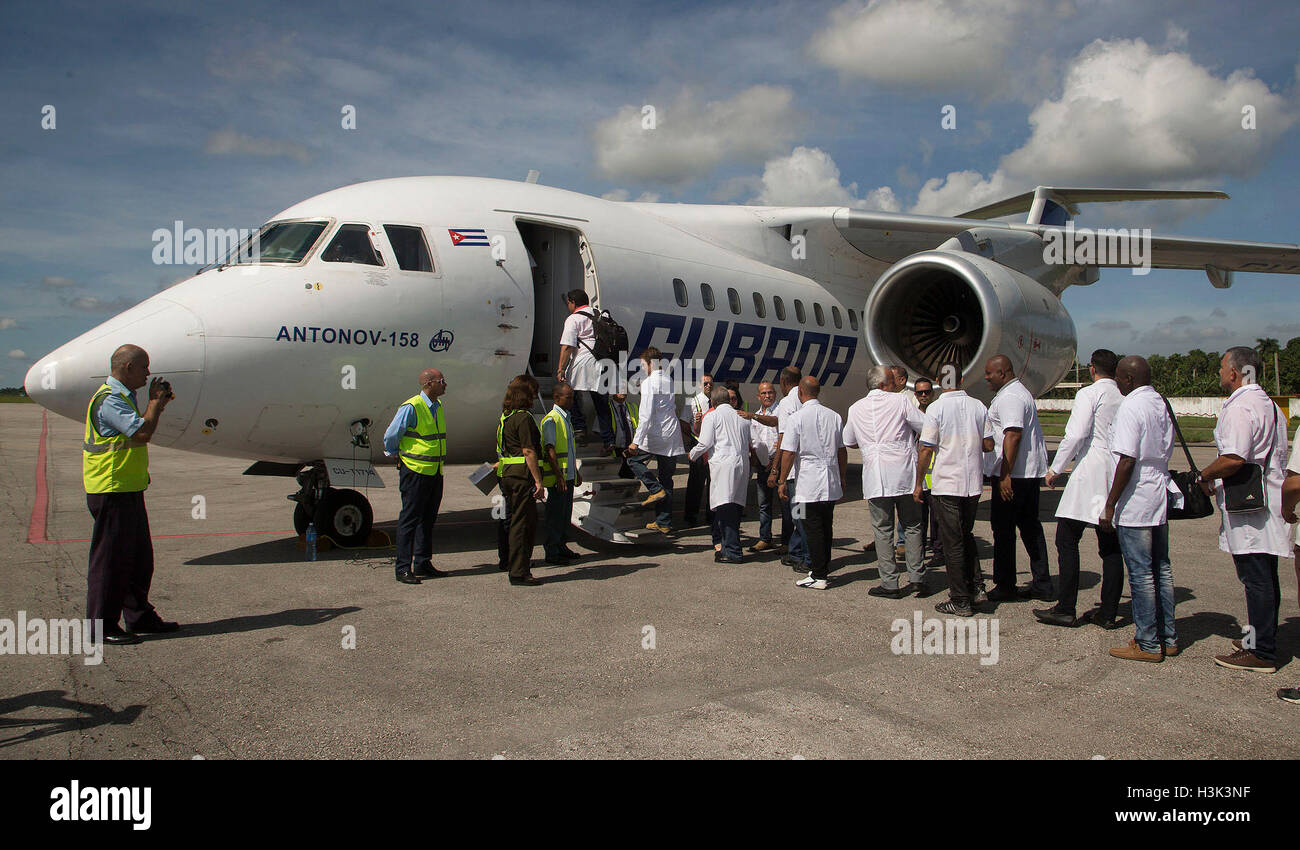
(580, 366)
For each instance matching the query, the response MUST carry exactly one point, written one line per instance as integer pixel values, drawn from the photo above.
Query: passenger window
(352, 245)
(821, 317)
(799, 311)
(679, 292)
(759, 307)
(706, 293)
(835, 316)
(409, 248)
(779, 306)
(733, 298)
(853, 319)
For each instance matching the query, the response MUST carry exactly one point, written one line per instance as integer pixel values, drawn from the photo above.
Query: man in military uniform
(518, 449)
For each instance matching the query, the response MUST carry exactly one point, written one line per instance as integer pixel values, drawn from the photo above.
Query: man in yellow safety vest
(560, 475)
(115, 471)
(418, 438)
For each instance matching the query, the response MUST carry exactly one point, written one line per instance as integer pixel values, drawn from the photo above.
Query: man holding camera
(115, 471)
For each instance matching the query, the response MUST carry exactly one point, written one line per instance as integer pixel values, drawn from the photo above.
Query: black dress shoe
(431, 572)
(921, 589)
(1052, 617)
(407, 578)
(888, 593)
(528, 581)
(723, 559)
(117, 637)
(503, 567)
(155, 626)
(999, 594)
(569, 554)
(1030, 592)
(1094, 616)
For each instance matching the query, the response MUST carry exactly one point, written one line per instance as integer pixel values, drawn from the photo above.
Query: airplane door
(560, 260)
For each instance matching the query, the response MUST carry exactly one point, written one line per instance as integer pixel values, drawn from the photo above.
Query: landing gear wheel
(345, 516)
(301, 518)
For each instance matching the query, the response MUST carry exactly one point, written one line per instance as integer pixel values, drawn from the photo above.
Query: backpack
(611, 337)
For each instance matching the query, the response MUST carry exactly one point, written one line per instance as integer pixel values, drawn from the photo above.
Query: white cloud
(230, 143)
(1111, 325)
(809, 177)
(926, 45)
(18, 354)
(95, 304)
(58, 282)
(690, 139)
(1129, 115)
(7, 323)
(624, 195)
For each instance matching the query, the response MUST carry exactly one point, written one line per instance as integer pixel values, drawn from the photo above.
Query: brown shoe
(1133, 652)
(1171, 650)
(1244, 659)
(761, 546)
(654, 497)
(1236, 645)
(900, 551)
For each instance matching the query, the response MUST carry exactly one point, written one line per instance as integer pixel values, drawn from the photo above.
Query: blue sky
(220, 115)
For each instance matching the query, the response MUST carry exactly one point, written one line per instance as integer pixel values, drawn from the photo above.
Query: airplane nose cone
(64, 380)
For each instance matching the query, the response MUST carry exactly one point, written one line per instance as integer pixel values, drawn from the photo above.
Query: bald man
(115, 471)
(1020, 462)
(1142, 441)
(417, 437)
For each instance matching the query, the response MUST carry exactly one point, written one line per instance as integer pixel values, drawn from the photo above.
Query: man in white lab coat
(658, 437)
(724, 440)
(885, 427)
(1251, 433)
(1087, 439)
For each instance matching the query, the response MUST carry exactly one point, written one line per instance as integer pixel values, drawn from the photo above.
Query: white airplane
(290, 359)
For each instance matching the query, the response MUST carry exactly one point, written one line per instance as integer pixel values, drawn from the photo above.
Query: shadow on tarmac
(88, 716)
(253, 622)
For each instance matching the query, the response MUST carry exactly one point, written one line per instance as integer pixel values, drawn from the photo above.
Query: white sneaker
(812, 583)
(806, 581)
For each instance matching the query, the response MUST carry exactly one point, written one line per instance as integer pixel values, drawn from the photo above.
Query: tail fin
(1054, 206)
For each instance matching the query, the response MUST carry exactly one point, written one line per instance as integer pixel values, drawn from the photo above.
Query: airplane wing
(889, 236)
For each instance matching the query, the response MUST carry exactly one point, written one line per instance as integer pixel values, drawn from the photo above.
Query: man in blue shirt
(115, 471)
(418, 439)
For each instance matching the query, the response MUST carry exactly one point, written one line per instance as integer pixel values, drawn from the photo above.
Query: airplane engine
(936, 307)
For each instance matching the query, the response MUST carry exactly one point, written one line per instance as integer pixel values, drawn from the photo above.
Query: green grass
(14, 399)
(1196, 429)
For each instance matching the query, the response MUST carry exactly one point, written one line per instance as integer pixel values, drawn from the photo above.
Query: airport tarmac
(744, 664)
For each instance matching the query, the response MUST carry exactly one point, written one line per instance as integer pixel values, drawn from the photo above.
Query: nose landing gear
(343, 515)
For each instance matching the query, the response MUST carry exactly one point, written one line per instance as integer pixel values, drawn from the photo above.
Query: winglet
(1052, 205)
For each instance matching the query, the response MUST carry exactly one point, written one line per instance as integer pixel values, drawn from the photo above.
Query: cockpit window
(352, 245)
(280, 242)
(409, 248)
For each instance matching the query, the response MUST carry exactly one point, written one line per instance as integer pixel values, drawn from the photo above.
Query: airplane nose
(64, 380)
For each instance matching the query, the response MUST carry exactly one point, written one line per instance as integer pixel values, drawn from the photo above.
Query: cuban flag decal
(466, 236)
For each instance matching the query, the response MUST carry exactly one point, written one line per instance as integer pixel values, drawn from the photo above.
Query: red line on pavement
(41, 505)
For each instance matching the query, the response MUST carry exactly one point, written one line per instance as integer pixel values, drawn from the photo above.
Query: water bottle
(311, 541)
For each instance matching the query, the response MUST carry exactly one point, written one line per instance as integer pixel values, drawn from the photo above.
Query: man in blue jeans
(792, 532)
(1142, 439)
